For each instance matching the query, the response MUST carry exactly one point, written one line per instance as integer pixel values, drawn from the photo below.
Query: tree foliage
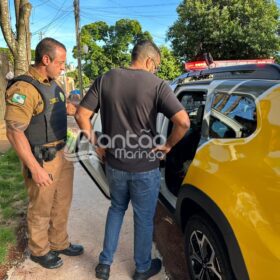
(10, 55)
(74, 75)
(109, 46)
(170, 66)
(228, 29)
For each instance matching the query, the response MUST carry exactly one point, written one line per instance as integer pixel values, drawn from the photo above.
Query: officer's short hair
(143, 49)
(47, 47)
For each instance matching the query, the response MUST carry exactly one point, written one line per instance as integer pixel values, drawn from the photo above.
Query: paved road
(86, 227)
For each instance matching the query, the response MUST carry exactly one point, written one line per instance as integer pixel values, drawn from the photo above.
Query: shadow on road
(170, 242)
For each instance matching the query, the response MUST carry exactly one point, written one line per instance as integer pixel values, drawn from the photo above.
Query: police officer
(36, 120)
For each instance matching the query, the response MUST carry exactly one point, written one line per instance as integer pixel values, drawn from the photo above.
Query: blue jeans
(142, 188)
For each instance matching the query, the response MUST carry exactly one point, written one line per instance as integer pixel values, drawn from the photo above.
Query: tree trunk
(28, 36)
(19, 45)
(17, 4)
(4, 69)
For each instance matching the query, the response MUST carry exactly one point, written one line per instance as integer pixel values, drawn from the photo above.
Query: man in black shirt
(129, 100)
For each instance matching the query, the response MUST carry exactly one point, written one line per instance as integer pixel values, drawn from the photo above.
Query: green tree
(109, 46)
(74, 75)
(170, 66)
(10, 55)
(228, 29)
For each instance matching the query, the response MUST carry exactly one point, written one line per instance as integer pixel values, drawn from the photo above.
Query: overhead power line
(132, 10)
(103, 15)
(58, 16)
(131, 6)
(52, 5)
(41, 4)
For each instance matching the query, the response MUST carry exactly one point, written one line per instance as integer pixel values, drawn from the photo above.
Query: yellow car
(222, 180)
(228, 202)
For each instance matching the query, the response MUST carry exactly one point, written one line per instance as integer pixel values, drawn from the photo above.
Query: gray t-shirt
(130, 100)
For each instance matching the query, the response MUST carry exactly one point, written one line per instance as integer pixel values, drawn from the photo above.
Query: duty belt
(44, 153)
(58, 147)
(47, 153)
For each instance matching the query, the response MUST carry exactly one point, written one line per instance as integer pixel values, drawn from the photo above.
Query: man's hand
(41, 177)
(71, 109)
(100, 153)
(181, 124)
(161, 151)
(17, 138)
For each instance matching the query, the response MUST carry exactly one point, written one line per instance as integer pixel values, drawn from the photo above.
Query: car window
(218, 129)
(232, 116)
(191, 101)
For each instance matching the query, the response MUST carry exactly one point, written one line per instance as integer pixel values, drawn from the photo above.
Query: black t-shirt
(129, 101)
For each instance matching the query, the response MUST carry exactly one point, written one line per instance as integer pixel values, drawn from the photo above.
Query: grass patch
(8, 213)
(8, 237)
(12, 191)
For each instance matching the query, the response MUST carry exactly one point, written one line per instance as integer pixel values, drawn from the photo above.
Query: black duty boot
(72, 250)
(50, 260)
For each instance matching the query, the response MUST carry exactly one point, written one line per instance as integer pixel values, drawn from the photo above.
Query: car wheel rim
(204, 262)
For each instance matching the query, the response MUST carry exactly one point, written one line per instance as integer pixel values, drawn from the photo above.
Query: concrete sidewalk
(86, 227)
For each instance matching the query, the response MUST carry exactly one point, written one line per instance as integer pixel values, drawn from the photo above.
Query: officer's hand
(161, 151)
(41, 177)
(71, 109)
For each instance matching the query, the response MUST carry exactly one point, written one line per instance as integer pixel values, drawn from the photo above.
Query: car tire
(206, 255)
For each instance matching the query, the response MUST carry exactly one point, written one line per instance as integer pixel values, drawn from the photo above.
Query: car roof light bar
(247, 71)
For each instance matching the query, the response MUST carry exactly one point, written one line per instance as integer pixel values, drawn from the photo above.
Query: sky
(55, 18)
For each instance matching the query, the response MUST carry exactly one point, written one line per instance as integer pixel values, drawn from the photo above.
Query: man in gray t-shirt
(129, 100)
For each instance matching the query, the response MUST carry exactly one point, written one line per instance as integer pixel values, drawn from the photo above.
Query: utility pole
(78, 40)
(41, 35)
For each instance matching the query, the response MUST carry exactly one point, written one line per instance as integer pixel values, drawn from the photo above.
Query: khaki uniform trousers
(48, 207)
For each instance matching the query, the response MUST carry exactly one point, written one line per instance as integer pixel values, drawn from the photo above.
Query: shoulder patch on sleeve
(18, 98)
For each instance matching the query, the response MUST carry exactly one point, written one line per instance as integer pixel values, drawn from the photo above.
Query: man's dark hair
(143, 49)
(47, 47)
